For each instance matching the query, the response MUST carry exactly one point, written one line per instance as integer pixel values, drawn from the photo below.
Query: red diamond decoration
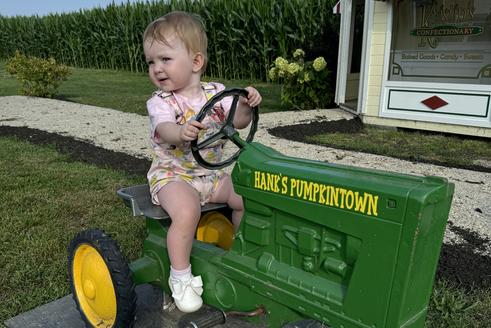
(434, 102)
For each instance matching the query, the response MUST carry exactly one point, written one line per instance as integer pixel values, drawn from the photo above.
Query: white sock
(183, 275)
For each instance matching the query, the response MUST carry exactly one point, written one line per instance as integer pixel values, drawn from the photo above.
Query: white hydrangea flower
(319, 64)
(293, 68)
(298, 53)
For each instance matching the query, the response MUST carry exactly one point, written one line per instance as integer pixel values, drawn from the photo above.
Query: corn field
(245, 36)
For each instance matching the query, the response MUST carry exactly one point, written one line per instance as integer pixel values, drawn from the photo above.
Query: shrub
(38, 77)
(305, 85)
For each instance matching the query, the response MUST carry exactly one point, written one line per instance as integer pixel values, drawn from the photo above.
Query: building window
(445, 41)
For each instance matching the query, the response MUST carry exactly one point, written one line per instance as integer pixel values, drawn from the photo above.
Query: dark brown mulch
(80, 150)
(299, 132)
(464, 263)
(460, 263)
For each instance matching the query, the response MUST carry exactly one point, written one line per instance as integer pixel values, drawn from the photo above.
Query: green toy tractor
(320, 245)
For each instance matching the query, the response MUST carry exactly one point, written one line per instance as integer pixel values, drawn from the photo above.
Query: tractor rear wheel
(100, 280)
(215, 228)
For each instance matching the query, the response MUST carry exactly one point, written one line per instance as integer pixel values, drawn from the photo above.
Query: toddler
(175, 48)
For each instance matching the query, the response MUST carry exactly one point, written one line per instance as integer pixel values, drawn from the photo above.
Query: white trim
(343, 51)
(439, 103)
(450, 87)
(385, 70)
(436, 116)
(365, 55)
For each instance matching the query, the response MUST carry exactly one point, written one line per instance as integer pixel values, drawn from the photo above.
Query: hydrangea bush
(305, 84)
(38, 77)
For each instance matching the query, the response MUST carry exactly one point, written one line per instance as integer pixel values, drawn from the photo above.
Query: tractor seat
(138, 199)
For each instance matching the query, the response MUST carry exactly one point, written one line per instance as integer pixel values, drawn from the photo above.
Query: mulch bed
(80, 150)
(461, 263)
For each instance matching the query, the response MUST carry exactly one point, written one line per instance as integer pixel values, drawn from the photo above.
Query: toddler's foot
(187, 293)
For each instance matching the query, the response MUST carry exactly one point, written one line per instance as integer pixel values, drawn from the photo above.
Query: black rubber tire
(117, 266)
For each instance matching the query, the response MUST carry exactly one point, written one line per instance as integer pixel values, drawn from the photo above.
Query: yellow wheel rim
(215, 228)
(94, 287)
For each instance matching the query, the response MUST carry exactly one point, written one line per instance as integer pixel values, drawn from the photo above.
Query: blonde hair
(188, 27)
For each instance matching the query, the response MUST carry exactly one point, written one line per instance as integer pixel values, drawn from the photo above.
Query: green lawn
(45, 200)
(444, 149)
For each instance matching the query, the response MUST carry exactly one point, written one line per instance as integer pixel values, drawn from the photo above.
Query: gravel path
(123, 132)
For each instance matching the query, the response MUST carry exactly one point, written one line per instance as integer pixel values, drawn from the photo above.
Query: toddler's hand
(189, 130)
(253, 97)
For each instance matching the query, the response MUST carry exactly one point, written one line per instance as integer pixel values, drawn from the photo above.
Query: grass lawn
(448, 150)
(47, 199)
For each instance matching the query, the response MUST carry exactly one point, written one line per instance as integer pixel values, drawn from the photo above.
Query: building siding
(375, 82)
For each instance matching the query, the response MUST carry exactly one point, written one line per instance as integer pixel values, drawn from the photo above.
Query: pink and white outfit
(176, 162)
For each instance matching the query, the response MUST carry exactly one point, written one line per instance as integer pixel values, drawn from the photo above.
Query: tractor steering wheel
(226, 131)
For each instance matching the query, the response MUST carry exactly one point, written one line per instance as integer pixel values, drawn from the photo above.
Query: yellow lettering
(360, 202)
(307, 190)
(293, 185)
(300, 188)
(372, 205)
(349, 199)
(264, 186)
(334, 196)
(257, 179)
(321, 194)
(317, 193)
(343, 193)
(270, 179)
(284, 187)
(316, 190)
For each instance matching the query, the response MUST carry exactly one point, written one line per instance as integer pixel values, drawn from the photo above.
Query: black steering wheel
(226, 131)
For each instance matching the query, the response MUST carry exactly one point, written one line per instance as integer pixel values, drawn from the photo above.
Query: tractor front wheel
(100, 280)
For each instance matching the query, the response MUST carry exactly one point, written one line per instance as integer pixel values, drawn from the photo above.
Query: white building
(421, 64)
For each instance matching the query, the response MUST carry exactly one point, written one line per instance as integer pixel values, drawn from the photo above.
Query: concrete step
(63, 313)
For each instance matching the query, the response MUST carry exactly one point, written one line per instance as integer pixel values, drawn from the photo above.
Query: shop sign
(447, 30)
(442, 41)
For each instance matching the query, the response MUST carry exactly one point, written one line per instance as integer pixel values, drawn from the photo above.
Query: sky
(44, 7)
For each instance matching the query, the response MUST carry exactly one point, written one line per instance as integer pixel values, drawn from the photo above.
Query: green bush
(38, 77)
(305, 85)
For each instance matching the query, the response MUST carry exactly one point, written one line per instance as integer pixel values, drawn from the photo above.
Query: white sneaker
(187, 293)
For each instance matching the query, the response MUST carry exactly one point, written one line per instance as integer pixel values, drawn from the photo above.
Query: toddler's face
(170, 67)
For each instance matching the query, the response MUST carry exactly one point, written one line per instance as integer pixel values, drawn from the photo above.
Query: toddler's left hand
(253, 97)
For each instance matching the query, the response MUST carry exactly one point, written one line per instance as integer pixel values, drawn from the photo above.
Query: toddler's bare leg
(181, 202)
(225, 194)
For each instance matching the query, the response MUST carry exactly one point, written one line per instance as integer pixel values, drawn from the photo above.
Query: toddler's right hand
(189, 130)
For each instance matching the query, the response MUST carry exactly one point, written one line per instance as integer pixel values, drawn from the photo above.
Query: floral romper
(176, 163)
